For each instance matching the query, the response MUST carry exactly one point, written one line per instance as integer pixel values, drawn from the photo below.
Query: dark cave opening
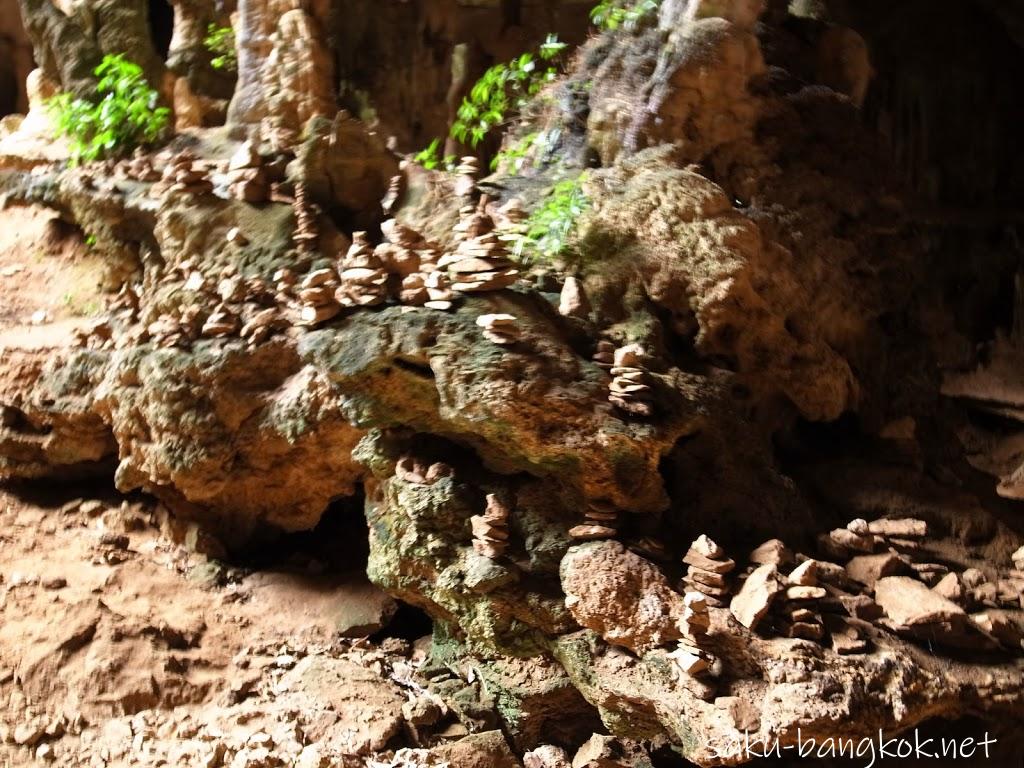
(335, 551)
(161, 26)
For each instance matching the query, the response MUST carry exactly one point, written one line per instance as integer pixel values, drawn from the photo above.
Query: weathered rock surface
(621, 596)
(741, 234)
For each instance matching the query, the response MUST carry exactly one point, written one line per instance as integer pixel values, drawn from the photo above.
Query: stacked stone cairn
(140, 168)
(708, 571)
(307, 233)
(511, 215)
(261, 326)
(285, 282)
(246, 175)
(689, 656)
(887, 582)
(403, 250)
(798, 615)
(630, 390)
(414, 260)
(183, 173)
(480, 261)
(490, 530)
(223, 321)
(412, 470)
(97, 334)
(389, 202)
(501, 329)
(604, 355)
(601, 522)
(465, 176)
(316, 297)
(364, 281)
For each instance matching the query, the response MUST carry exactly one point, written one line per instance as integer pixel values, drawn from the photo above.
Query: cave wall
(15, 59)
(416, 93)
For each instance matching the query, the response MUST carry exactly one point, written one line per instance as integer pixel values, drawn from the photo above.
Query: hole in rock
(326, 566)
(161, 26)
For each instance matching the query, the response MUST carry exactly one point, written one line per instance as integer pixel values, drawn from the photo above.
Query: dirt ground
(122, 644)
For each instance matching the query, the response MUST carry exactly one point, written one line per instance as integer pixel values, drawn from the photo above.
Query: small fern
(220, 41)
(612, 14)
(124, 116)
(504, 90)
(547, 233)
(430, 158)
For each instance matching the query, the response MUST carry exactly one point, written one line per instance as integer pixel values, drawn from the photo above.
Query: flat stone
(1018, 559)
(755, 597)
(806, 593)
(706, 577)
(805, 574)
(773, 552)
(1000, 626)
(904, 528)
(705, 563)
(689, 662)
(592, 532)
(852, 541)
(707, 547)
(867, 569)
(909, 602)
(950, 588)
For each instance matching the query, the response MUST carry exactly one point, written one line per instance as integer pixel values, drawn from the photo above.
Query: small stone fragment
(755, 597)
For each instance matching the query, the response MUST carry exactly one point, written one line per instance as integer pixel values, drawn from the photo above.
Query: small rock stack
(798, 615)
(688, 656)
(223, 321)
(261, 325)
(284, 286)
(602, 522)
(307, 233)
(707, 572)
(439, 291)
(490, 530)
(317, 303)
(604, 355)
(183, 174)
(500, 329)
(630, 390)
(390, 200)
(480, 261)
(174, 330)
(364, 281)
(412, 470)
(97, 334)
(511, 215)
(247, 178)
(860, 537)
(400, 254)
(465, 176)
(126, 304)
(139, 168)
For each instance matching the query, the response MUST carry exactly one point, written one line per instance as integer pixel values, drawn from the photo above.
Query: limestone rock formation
(548, 454)
(621, 596)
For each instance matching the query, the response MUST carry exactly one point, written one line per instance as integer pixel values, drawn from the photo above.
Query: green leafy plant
(124, 116)
(548, 231)
(220, 41)
(430, 158)
(612, 14)
(503, 90)
(514, 157)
